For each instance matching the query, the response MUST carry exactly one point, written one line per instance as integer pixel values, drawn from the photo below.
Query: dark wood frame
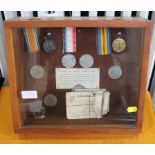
(72, 22)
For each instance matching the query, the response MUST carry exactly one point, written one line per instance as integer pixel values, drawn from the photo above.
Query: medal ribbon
(103, 41)
(69, 39)
(31, 38)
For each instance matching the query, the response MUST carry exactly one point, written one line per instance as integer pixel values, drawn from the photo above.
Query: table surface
(7, 135)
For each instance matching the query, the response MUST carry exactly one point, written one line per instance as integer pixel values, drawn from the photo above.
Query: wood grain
(12, 78)
(78, 22)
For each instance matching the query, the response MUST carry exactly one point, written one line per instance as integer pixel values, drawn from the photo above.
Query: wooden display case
(127, 92)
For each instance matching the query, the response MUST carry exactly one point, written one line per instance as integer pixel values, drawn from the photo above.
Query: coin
(37, 72)
(68, 61)
(119, 45)
(115, 72)
(50, 100)
(86, 61)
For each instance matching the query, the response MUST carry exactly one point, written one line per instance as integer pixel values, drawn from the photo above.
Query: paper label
(67, 78)
(29, 94)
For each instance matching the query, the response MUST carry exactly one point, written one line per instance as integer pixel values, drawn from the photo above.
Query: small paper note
(67, 78)
(32, 94)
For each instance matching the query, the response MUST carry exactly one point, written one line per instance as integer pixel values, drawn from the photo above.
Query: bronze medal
(119, 45)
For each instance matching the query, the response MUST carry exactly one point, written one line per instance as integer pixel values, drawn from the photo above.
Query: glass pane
(113, 54)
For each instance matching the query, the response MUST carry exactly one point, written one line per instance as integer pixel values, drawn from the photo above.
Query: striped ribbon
(103, 41)
(31, 37)
(69, 39)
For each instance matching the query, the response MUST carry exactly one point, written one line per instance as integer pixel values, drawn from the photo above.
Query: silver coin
(37, 72)
(50, 100)
(79, 86)
(68, 61)
(86, 61)
(115, 72)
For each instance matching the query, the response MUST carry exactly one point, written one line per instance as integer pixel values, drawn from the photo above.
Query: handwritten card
(67, 78)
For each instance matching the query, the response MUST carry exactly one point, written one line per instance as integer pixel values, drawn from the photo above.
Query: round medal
(119, 45)
(68, 61)
(86, 61)
(115, 72)
(50, 100)
(37, 72)
(49, 45)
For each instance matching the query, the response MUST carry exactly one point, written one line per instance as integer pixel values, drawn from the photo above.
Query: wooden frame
(74, 22)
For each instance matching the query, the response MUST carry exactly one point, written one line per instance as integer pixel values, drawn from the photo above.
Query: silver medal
(86, 61)
(37, 72)
(50, 100)
(68, 61)
(115, 72)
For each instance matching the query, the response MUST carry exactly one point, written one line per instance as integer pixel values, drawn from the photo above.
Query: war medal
(68, 61)
(86, 61)
(115, 72)
(119, 44)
